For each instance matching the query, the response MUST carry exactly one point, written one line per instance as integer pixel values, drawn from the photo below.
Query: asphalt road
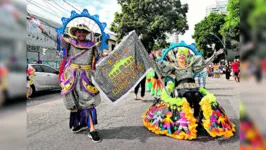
(120, 125)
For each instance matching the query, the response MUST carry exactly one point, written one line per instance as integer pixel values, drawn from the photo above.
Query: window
(49, 69)
(37, 68)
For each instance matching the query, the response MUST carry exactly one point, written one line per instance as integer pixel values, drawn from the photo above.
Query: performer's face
(81, 34)
(181, 57)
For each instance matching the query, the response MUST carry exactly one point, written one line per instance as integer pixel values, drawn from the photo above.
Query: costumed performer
(177, 120)
(80, 95)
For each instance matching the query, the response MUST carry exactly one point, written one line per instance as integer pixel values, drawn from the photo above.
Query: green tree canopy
(231, 28)
(204, 30)
(150, 18)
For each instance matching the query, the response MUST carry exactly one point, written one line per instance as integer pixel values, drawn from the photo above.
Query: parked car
(12, 84)
(45, 78)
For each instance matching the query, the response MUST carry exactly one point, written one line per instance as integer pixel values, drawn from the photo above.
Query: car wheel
(32, 90)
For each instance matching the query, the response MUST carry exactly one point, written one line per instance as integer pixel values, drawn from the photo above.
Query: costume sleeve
(52, 36)
(165, 68)
(199, 63)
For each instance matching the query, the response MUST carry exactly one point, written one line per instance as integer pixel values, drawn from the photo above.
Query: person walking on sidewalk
(227, 72)
(142, 84)
(235, 69)
(202, 76)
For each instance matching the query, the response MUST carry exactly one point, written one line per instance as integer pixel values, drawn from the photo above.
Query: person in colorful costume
(156, 84)
(149, 77)
(177, 101)
(80, 95)
(216, 71)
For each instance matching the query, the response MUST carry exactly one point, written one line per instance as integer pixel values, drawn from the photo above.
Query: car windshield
(48, 69)
(37, 68)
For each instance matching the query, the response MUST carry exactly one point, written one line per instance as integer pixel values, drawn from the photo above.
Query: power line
(52, 6)
(42, 18)
(60, 6)
(41, 7)
(72, 6)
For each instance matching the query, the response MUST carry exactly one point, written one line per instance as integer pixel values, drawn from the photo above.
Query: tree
(231, 28)
(204, 31)
(158, 44)
(256, 19)
(151, 19)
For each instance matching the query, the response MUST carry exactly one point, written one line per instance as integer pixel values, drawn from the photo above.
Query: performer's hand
(221, 51)
(36, 22)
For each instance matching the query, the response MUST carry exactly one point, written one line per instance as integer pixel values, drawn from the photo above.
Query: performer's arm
(50, 35)
(199, 63)
(166, 68)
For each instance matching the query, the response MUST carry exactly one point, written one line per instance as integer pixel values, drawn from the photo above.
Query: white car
(45, 78)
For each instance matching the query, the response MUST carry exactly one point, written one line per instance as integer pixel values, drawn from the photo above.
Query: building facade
(219, 7)
(173, 38)
(42, 48)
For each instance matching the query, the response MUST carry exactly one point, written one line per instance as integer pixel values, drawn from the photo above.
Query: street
(120, 125)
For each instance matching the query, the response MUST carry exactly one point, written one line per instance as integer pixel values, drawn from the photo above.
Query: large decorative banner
(117, 74)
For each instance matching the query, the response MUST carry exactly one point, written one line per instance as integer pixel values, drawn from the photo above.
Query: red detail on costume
(62, 66)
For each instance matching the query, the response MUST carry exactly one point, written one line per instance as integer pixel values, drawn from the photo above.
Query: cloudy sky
(55, 9)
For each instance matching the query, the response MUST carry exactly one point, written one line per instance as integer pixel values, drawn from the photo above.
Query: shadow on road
(45, 93)
(213, 89)
(126, 132)
(141, 133)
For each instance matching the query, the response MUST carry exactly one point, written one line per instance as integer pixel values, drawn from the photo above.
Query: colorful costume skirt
(81, 117)
(174, 117)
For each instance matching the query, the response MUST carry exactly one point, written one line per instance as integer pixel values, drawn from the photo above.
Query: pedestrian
(202, 76)
(216, 70)
(227, 72)
(80, 95)
(142, 84)
(235, 69)
(29, 72)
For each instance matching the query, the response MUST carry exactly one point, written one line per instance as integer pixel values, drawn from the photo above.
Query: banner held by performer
(118, 73)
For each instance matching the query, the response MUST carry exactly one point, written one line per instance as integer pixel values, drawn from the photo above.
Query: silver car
(45, 78)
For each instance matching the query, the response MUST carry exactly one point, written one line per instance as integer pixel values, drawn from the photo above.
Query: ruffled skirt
(174, 117)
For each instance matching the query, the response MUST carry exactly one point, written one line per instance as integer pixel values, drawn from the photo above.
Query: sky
(106, 9)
